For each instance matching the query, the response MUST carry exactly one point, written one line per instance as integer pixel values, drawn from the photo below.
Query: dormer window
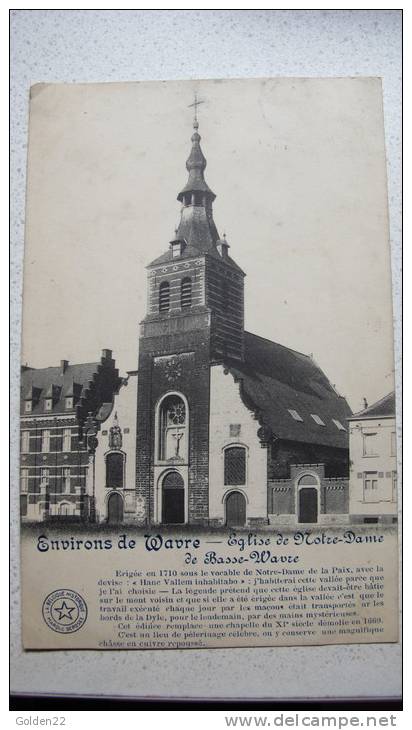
(295, 415)
(176, 249)
(28, 406)
(51, 397)
(317, 419)
(164, 297)
(69, 402)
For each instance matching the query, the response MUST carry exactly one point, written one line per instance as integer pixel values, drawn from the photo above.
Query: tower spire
(196, 188)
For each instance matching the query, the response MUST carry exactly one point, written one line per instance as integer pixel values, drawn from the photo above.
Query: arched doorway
(307, 499)
(173, 499)
(235, 509)
(115, 508)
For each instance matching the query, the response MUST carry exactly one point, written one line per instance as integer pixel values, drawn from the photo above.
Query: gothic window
(186, 293)
(173, 428)
(235, 465)
(164, 297)
(114, 470)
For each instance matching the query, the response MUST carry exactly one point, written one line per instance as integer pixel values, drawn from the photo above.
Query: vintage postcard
(208, 441)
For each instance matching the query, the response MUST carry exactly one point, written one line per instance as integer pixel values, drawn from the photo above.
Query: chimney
(365, 403)
(106, 354)
(63, 366)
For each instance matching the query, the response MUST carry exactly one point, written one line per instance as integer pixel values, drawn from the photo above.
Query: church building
(216, 427)
(232, 429)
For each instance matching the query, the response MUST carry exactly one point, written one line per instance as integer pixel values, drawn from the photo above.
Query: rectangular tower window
(164, 297)
(393, 443)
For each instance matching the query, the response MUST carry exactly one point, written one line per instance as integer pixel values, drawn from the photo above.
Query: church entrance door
(173, 499)
(308, 504)
(115, 508)
(235, 509)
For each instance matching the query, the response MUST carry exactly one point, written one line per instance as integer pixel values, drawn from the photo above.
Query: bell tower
(194, 317)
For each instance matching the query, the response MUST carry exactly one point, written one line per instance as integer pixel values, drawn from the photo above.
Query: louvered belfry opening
(164, 297)
(235, 466)
(186, 293)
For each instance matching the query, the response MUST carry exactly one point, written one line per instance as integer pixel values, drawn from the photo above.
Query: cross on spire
(195, 105)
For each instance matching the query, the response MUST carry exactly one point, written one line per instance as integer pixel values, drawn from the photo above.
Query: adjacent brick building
(61, 409)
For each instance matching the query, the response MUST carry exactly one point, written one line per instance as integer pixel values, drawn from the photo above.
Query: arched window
(173, 420)
(235, 465)
(186, 293)
(164, 297)
(307, 479)
(114, 470)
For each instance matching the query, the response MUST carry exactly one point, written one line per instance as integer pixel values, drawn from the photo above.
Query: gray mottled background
(129, 45)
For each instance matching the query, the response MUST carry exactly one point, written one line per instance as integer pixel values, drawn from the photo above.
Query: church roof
(290, 394)
(383, 407)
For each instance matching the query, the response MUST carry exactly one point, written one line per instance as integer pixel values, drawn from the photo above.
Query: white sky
(298, 168)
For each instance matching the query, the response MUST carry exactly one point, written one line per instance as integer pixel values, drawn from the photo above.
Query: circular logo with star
(64, 611)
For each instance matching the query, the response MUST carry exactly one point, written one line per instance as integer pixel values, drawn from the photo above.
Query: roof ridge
(70, 365)
(376, 403)
(272, 342)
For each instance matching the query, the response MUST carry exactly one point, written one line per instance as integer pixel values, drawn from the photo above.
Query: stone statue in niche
(115, 435)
